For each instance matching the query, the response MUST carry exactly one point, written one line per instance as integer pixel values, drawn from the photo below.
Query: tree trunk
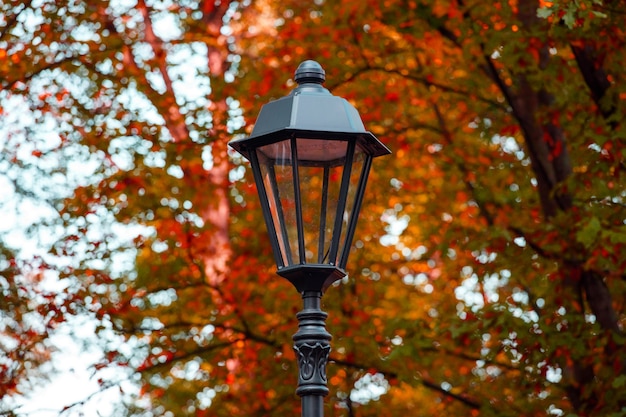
(551, 163)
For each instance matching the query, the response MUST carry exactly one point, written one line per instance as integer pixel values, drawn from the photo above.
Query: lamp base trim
(312, 277)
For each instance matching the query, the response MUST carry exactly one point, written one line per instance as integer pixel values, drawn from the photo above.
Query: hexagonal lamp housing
(310, 156)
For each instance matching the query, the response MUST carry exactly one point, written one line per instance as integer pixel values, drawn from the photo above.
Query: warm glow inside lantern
(310, 155)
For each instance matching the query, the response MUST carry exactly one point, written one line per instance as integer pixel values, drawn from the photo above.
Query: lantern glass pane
(319, 187)
(321, 167)
(355, 176)
(315, 150)
(277, 173)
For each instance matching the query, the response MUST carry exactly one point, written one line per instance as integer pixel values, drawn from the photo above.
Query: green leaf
(568, 18)
(616, 238)
(619, 382)
(544, 12)
(588, 234)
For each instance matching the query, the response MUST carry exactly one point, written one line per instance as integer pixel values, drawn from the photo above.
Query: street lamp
(310, 156)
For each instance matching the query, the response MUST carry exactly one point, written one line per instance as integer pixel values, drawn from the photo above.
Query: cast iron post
(310, 155)
(312, 347)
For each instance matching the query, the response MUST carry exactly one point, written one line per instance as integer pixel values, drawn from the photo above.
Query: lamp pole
(312, 347)
(310, 156)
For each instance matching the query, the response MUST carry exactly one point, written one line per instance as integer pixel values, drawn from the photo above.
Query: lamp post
(310, 156)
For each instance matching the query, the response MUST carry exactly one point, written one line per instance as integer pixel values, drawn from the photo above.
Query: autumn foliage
(488, 276)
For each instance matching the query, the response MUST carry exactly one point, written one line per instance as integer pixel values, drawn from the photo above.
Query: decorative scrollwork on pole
(312, 347)
(312, 360)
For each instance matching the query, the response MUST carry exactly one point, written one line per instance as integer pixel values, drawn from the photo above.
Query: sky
(72, 380)
(71, 372)
(47, 172)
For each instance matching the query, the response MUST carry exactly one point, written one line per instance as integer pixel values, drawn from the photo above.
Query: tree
(36, 174)
(97, 75)
(504, 207)
(488, 270)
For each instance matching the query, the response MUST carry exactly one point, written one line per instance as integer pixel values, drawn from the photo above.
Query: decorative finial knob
(310, 71)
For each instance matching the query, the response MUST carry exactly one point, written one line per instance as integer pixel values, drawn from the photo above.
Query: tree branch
(429, 83)
(595, 77)
(473, 404)
(172, 115)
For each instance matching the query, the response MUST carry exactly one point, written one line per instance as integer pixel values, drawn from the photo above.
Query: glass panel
(360, 159)
(355, 174)
(275, 162)
(315, 151)
(319, 187)
(320, 170)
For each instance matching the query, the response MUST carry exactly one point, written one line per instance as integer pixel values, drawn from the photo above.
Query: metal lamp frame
(310, 112)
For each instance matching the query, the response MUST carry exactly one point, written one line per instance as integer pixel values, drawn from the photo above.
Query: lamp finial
(310, 71)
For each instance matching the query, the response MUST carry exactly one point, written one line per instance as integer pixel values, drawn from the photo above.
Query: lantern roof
(309, 111)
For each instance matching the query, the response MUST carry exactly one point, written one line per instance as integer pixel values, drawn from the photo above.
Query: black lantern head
(310, 156)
